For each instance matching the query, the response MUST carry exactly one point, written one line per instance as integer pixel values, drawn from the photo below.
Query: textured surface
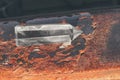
(87, 52)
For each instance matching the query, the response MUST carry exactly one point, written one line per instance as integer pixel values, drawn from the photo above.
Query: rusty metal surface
(85, 52)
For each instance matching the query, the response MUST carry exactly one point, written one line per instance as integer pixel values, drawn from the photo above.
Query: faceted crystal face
(44, 34)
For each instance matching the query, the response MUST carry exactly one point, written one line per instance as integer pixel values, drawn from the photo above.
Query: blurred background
(15, 8)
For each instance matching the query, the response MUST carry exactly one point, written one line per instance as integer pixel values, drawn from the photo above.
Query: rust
(49, 55)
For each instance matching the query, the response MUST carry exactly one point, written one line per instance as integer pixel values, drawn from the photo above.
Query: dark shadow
(113, 45)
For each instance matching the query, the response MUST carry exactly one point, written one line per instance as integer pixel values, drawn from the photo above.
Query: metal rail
(68, 13)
